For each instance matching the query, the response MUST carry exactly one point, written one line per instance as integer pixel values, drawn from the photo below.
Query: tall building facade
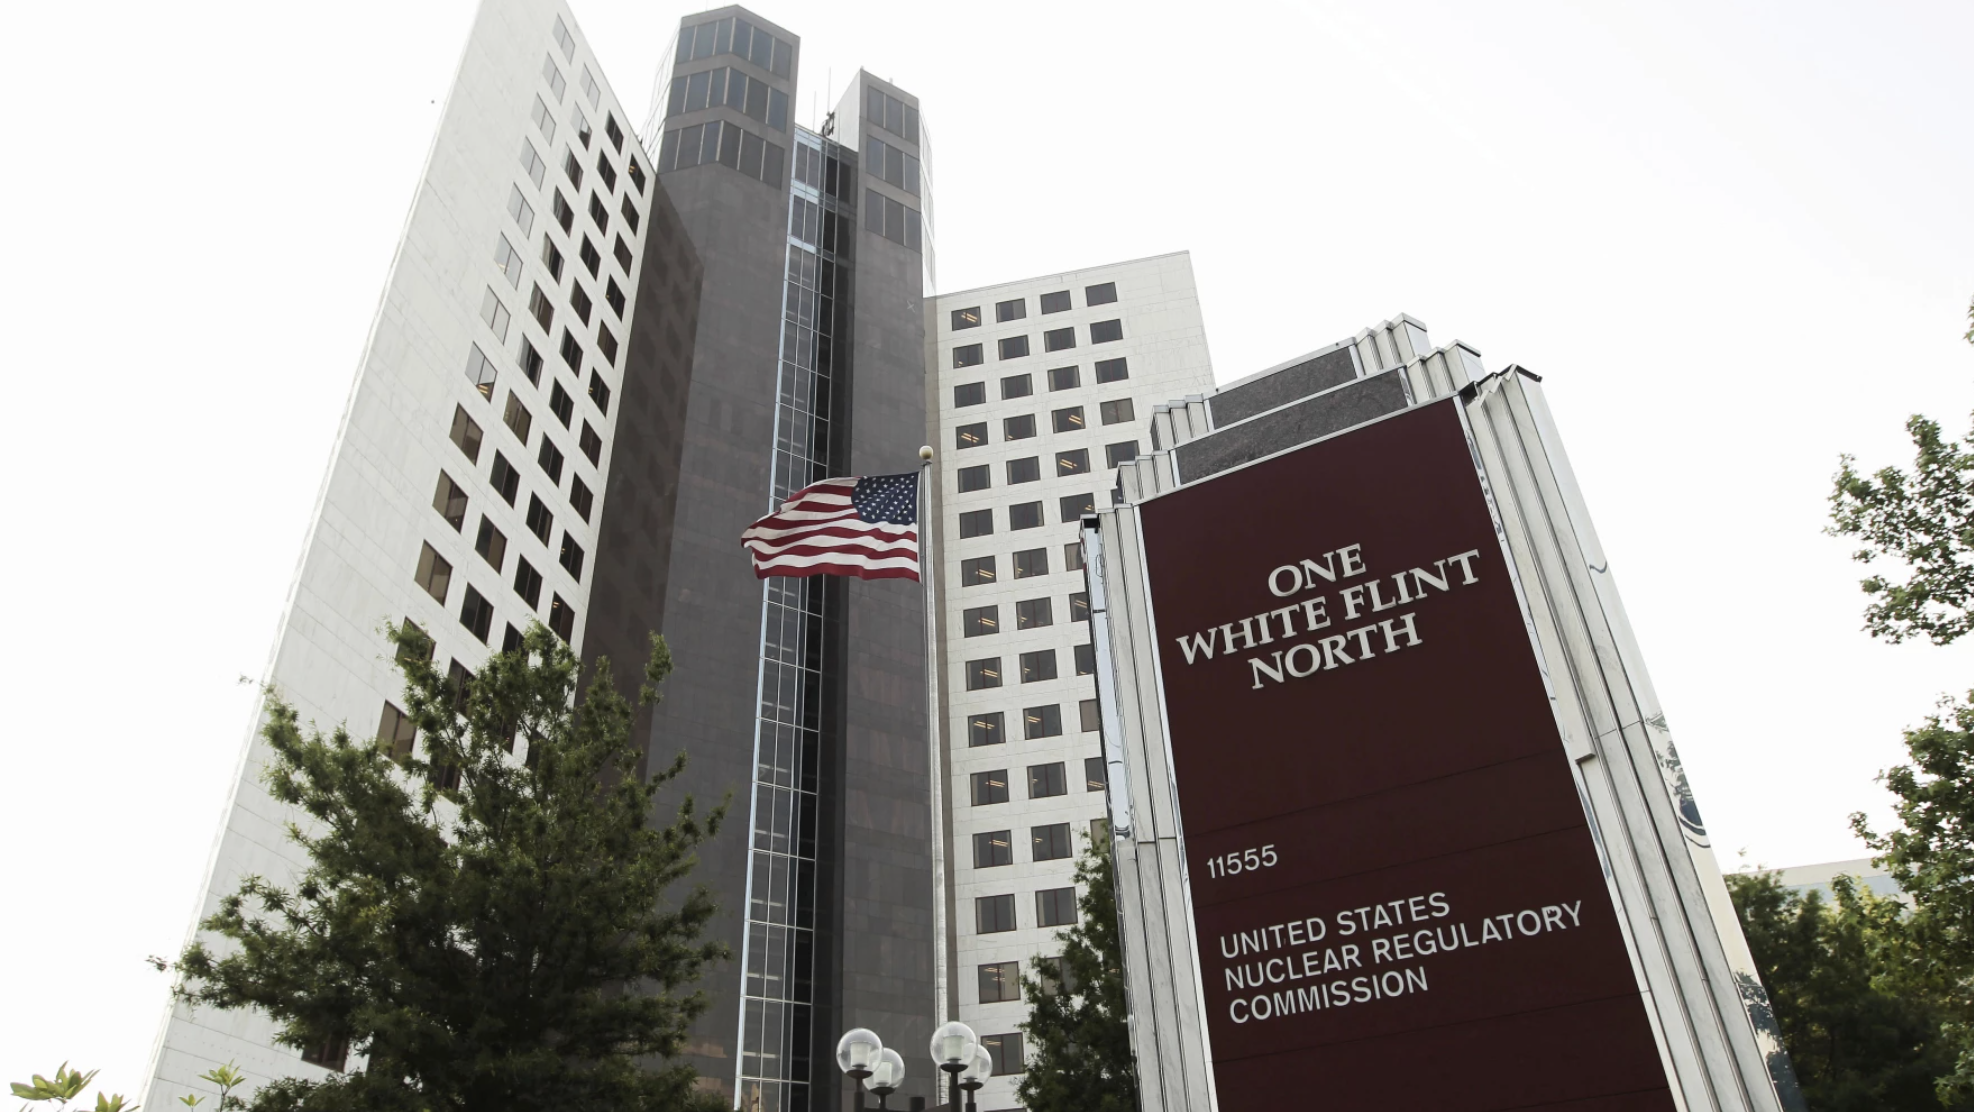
(596, 359)
(528, 358)
(1043, 387)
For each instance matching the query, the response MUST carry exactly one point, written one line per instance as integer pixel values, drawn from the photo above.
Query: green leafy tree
(1077, 1026)
(1859, 1002)
(65, 1086)
(486, 920)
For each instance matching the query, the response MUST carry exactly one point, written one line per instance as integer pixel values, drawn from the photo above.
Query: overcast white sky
(1736, 239)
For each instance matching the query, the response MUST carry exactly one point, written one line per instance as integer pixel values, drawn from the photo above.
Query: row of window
(1029, 613)
(750, 96)
(980, 571)
(1000, 981)
(1045, 781)
(1017, 309)
(1065, 420)
(892, 164)
(1055, 339)
(1054, 907)
(726, 143)
(1022, 427)
(1035, 667)
(734, 35)
(1028, 515)
(1059, 378)
(434, 574)
(894, 220)
(883, 110)
(1037, 724)
(551, 75)
(1052, 842)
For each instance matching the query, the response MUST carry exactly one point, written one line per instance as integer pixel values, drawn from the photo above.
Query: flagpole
(935, 753)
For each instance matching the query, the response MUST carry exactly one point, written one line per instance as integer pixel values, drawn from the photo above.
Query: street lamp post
(857, 1052)
(976, 1074)
(953, 1048)
(886, 1075)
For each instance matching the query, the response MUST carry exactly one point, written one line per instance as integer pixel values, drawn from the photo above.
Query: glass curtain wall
(790, 730)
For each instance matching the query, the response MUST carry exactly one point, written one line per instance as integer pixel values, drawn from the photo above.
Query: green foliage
(1860, 1001)
(506, 942)
(65, 1086)
(1923, 520)
(225, 1078)
(1080, 1039)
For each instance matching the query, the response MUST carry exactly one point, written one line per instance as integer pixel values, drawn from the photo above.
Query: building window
(1114, 370)
(530, 361)
(333, 1054)
(1038, 666)
(571, 558)
(1027, 469)
(509, 641)
(398, 731)
(508, 262)
(522, 212)
(1025, 515)
(544, 119)
(564, 215)
(465, 433)
(532, 164)
(999, 981)
(506, 480)
(540, 522)
(491, 544)
(527, 582)
(591, 444)
(590, 87)
(1117, 412)
(1059, 339)
(1051, 842)
(993, 914)
(450, 501)
(966, 318)
(565, 40)
(1100, 295)
(1064, 378)
(984, 673)
(1057, 302)
(1017, 386)
(480, 372)
(1124, 451)
(1033, 613)
(517, 418)
(1055, 907)
(1079, 606)
(580, 499)
(979, 621)
(551, 258)
(1040, 722)
(637, 179)
(561, 404)
(572, 352)
(629, 211)
(562, 618)
(968, 355)
(434, 573)
(1071, 464)
(592, 261)
(550, 459)
(975, 478)
(622, 251)
(1072, 556)
(970, 393)
(990, 787)
(1052, 975)
(614, 295)
(600, 216)
(977, 572)
(1067, 420)
(985, 729)
(970, 436)
(599, 393)
(1033, 561)
(993, 849)
(1087, 715)
(1074, 506)
(542, 309)
(1106, 331)
(1094, 774)
(606, 342)
(1086, 660)
(476, 614)
(1005, 1051)
(976, 523)
(1047, 780)
(1013, 347)
(1005, 311)
(1020, 427)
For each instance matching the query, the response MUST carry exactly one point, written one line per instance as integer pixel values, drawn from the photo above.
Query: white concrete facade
(376, 509)
(1164, 347)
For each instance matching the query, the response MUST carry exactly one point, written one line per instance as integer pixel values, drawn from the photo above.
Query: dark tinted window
(1005, 1051)
(970, 436)
(1100, 295)
(976, 523)
(968, 355)
(1025, 515)
(985, 729)
(1034, 561)
(1056, 302)
(1013, 347)
(978, 621)
(992, 849)
(1017, 386)
(1018, 428)
(1045, 780)
(970, 393)
(1074, 506)
(1086, 660)
(975, 478)
(990, 787)
(1001, 980)
(984, 673)
(977, 571)
(993, 914)
(1067, 420)
(1106, 331)
(1059, 339)
(1005, 311)
(1115, 370)
(966, 318)
(1094, 774)
(1087, 711)
(1064, 378)
(1117, 412)
(1051, 842)
(1124, 451)
(1035, 667)
(1055, 907)
(1033, 613)
(1027, 469)
(1041, 722)
(1074, 463)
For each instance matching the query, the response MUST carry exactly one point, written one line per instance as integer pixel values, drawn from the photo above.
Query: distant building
(1804, 879)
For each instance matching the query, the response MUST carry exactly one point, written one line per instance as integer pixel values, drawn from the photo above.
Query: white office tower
(465, 490)
(1043, 386)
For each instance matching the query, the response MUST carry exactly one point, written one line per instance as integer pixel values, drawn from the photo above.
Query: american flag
(866, 527)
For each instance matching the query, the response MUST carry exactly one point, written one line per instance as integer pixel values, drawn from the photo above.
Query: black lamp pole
(953, 1081)
(972, 1086)
(857, 1087)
